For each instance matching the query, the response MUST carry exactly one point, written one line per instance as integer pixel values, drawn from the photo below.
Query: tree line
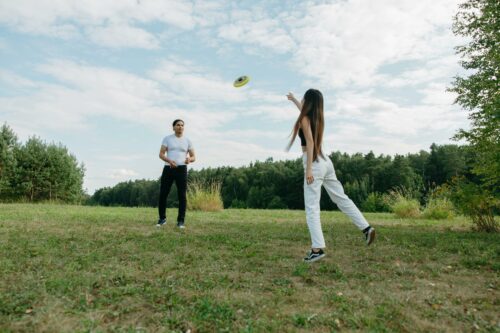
(278, 184)
(38, 171)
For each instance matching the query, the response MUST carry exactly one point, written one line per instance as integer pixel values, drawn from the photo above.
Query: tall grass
(439, 209)
(204, 196)
(402, 203)
(439, 205)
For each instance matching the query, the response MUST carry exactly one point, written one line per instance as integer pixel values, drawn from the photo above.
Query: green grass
(95, 269)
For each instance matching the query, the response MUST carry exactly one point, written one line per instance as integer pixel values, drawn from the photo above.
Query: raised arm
(292, 98)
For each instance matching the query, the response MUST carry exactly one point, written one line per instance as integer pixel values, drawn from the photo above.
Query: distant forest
(278, 184)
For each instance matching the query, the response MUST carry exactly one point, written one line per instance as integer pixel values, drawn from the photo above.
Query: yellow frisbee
(241, 81)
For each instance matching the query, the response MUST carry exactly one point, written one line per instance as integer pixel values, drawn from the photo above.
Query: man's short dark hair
(176, 121)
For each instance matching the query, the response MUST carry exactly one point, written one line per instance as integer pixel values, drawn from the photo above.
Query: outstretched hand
(290, 96)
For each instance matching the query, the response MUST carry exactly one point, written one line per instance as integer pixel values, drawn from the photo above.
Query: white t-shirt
(177, 148)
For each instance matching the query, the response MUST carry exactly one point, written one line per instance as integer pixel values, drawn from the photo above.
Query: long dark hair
(312, 109)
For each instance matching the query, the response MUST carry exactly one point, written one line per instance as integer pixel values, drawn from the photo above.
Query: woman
(177, 152)
(319, 171)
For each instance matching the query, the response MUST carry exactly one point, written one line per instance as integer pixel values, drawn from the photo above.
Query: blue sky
(106, 78)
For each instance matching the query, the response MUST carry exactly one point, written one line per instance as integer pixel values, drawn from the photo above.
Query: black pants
(179, 174)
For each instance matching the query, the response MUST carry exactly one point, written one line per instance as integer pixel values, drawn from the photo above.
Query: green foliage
(478, 21)
(444, 163)
(279, 184)
(238, 204)
(439, 209)
(37, 171)
(375, 203)
(439, 205)
(8, 146)
(476, 202)
(402, 203)
(204, 197)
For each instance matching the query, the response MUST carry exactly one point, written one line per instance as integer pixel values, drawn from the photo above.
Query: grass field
(95, 269)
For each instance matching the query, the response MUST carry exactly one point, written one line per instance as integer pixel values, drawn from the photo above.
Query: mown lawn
(95, 269)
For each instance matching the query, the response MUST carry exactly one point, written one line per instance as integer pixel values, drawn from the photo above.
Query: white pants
(324, 174)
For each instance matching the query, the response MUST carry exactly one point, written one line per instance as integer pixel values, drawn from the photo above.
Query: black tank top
(302, 138)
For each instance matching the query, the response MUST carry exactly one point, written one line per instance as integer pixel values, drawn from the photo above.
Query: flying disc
(241, 81)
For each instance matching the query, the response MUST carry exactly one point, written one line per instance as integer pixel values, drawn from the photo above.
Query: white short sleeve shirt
(177, 148)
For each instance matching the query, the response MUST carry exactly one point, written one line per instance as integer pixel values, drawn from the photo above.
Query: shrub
(204, 196)
(477, 203)
(439, 209)
(402, 203)
(276, 203)
(375, 203)
(238, 204)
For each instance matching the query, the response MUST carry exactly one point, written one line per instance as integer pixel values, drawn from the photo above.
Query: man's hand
(172, 164)
(188, 160)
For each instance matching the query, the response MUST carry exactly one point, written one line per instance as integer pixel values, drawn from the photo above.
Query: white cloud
(436, 114)
(195, 84)
(441, 69)
(249, 27)
(12, 79)
(82, 93)
(106, 22)
(360, 53)
(122, 174)
(123, 36)
(347, 42)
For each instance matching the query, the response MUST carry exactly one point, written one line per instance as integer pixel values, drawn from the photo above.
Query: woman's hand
(294, 100)
(309, 177)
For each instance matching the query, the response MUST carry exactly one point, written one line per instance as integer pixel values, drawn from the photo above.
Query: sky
(106, 78)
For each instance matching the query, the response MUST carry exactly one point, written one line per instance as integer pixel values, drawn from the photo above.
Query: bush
(439, 209)
(375, 203)
(402, 203)
(204, 197)
(276, 203)
(238, 204)
(477, 203)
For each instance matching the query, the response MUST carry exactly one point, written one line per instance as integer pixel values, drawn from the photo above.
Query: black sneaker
(314, 256)
(369, 235)
(180, 224)
(161, 222)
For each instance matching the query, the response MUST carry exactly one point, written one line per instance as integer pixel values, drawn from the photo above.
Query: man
(177, 152)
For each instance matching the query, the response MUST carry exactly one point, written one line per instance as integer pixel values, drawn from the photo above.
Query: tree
(479, 92)
(8, 144)
(46, 172)
(444, 163)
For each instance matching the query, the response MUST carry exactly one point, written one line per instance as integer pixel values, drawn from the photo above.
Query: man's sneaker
(314, 256)
(180, 224)
(369, 235)
(161, 222)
